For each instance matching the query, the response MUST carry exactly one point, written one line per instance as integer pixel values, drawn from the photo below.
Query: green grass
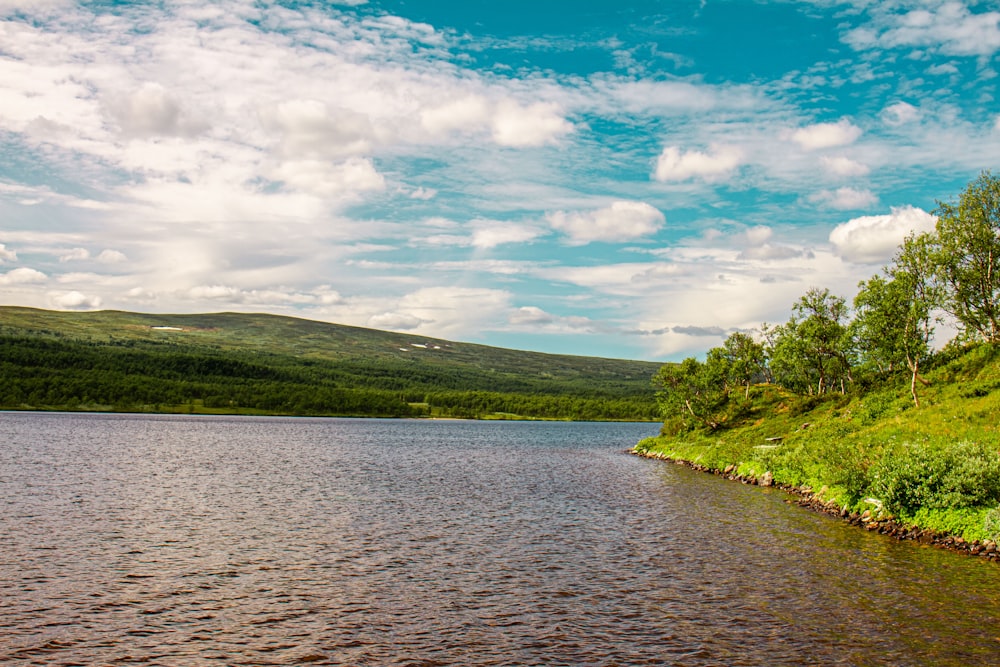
(936, 466)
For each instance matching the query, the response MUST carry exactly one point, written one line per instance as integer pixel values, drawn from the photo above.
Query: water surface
(240, 541)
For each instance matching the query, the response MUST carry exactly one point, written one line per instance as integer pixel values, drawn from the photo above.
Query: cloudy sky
(628, 178)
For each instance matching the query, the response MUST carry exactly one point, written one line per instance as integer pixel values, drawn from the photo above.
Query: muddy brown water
(243, 541)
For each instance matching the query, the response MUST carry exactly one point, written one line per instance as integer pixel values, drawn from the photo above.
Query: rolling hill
(259, 363)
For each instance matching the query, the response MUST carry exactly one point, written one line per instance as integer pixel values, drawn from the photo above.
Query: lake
(169, 540)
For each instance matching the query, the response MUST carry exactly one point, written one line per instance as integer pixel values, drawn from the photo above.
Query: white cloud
(39, 6)
(322, 296)
(74, 255)
(843, 166)
(533, 318)
(716, 164)
(323, 179)
(394, 322)
(463, 114)
(950, 28)
(455, 312)
(491, 233)
(875, 238)
(900, 113)
(844, 199)
(530, 315)
(7, 255)
(109, 256)
(534, 125)
(310, 129)
(151, 111)
(73, 301)
(621, 221)
(826, 135)
(22, 276)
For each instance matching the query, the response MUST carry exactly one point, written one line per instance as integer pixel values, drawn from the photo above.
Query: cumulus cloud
(73, 301)
(22, 276)
(716, 164)
(874, 239)
(109, 256)
(7, 255)
(531, 315)
(151, 111)
(843, 166)
(534, 125)
(622, 221)
(900, 113)
(309, 128)
(826, 135)
(465, 113)
(844, 199)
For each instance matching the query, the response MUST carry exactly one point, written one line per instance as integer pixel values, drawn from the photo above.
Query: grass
(935, 467)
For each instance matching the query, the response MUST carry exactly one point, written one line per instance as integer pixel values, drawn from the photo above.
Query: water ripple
(193, 541)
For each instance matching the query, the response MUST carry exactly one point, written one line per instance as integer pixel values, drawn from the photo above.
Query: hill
(871, 455)
(258, 363)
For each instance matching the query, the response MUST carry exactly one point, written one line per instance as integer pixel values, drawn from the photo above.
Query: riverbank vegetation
(263, 364)
(855, 405)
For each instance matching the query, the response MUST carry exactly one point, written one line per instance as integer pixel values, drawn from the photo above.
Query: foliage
(937, 475)
(968, 256)
(691, 392)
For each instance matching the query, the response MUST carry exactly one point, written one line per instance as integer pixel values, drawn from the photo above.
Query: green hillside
(871, 453)
(256, 363)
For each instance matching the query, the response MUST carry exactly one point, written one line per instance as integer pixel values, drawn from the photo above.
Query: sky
(628, 179)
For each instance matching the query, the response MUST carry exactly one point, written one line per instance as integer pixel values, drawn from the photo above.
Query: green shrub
(991, 524)
(938, 476)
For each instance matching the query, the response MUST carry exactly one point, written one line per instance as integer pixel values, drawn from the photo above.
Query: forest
(250, 364)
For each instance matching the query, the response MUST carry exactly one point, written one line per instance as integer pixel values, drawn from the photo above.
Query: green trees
(967, 256)
(955, 270)
(892, 325)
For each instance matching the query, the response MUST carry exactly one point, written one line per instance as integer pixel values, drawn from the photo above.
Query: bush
(991, 524)
(938, 476)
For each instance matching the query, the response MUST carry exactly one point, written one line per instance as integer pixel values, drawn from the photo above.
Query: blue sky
(623, 179)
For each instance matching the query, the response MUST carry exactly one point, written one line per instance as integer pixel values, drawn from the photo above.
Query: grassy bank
(935, 467)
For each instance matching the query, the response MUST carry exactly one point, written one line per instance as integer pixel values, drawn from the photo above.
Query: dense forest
(254, 364)
(858, 403)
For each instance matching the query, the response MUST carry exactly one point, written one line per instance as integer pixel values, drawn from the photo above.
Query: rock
(730, 468)
(767, 479)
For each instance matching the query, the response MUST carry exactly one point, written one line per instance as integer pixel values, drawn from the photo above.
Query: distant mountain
(258, 363)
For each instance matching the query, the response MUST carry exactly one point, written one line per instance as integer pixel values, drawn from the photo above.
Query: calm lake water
(240, 541)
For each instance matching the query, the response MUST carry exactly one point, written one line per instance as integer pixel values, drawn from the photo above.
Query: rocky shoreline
(806, 497)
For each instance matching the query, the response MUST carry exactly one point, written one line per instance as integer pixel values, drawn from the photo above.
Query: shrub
(991, 524)
(938, 476)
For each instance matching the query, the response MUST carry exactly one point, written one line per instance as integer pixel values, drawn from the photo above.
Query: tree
(825, 347)
(690, 391)
(746, 358)
(968, 256)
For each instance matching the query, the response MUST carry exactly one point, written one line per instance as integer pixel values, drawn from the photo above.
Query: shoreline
(808, 499)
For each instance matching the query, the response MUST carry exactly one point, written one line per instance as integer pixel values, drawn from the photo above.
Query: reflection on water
(183, 541)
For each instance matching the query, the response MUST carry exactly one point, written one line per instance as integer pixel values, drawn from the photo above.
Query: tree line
(56, 372)
(828, 346)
